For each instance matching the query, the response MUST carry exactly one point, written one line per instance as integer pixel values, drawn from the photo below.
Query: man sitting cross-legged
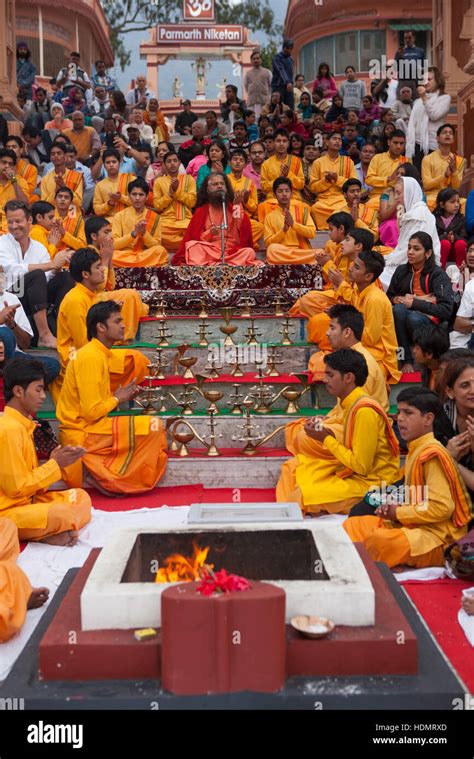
(87, 270)
(345, 242)
(245, 191)
(281, 164)
(39, 514)
(136, 231)
(124, 454)
(288, 229)
(367, 456)
(345, 329)
(16, 593)
(328, 174)
(363, 291)
(174, 197)
(202, 242)
(433, 509)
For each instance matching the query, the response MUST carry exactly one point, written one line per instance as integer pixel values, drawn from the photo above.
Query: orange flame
(179, 568)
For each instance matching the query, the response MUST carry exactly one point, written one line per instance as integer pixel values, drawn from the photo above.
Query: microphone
(223, 195)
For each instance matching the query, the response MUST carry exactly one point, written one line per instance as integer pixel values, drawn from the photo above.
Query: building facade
(52, 29)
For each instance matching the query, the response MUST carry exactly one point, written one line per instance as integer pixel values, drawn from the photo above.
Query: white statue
(177, 88)
(221, 89)
(199, 67)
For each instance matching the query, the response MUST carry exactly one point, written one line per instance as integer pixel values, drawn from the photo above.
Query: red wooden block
(223, 643)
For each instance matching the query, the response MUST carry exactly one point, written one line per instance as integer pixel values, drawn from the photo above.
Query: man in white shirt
(462, 335)
(258, 84)
(31, 273)
(73, 75)
(140, 94)
(136, 119)
(352, 90)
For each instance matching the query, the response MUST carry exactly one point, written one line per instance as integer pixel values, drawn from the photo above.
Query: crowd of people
(96, 179)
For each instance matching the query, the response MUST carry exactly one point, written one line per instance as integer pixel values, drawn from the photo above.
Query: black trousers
(39, 294)
(418, 156)
(287, 97)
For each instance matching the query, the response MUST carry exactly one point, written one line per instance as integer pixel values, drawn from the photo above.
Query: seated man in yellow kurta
(367, 456)
(364, 217)
(136, 231)
(280, 164)
(345, 241)
(87, 271)
(24, 169)
(124, 454)
(46, 228)
(174, 197)
(364, 292)
(384, 168)
(345, 329)
(12, 187)
(442, 168)
(39, 514)
(431, 509)
(328, 174)
(16, 593)
(70, 220)
(245, 192)
(110, 194)
(61, 176)
(289, 229)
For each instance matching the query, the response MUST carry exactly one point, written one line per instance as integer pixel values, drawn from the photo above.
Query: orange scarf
(462, 503)
(152, 220)
(349, 426)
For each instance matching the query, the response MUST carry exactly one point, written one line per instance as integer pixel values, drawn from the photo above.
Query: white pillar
(77, 35)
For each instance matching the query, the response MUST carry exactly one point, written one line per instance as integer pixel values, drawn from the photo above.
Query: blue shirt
(282, 70)
(127, 166)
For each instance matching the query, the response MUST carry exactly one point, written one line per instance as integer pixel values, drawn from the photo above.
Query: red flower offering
(220, 582)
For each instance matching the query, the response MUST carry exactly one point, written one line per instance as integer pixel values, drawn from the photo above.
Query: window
(340, 50)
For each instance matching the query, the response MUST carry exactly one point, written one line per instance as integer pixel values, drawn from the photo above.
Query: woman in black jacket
(421, 293)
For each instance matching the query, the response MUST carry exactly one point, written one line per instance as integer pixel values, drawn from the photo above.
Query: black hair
(349, 67)
(222, 146)
(60, 145)
(397, 133)
(99, 313)
(64, 189)
(241, 124)
(15, 138)
(82, 260)
(409, 170)
(424, 239)
(431, 338)
(167, 155)
(22, 372)
(362, 237)
(374, 262)
(442, 197)
(350, 182)
(443, 126)
(40, 208)
(93, 225)
(111, 152)
(341, 219)
(348, 316)
(139, 182)
(426, 401)
(241, 152)
(454, 370)
(279, 181)
(454, 353)
(30, 131)
(282, 132)
(348, 361)
(7, 153)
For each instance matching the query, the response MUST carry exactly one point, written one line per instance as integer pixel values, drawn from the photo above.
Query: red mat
(182, 495)
(438, 602)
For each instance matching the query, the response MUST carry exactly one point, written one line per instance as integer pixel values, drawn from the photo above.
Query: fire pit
(316, 565)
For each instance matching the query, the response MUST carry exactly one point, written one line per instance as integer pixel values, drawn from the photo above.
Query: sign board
(193, 34)
(198, 10)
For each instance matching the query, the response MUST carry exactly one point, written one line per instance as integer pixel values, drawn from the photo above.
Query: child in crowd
(451, 227)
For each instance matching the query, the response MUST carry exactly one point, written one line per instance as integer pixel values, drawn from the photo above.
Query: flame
(179, 568)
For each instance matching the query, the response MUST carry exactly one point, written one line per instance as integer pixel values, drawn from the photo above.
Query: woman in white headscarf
(428, 113)
(414, 216)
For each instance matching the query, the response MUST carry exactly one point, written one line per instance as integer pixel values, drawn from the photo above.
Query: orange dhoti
(51, 513)
(131, 459)
(297, 441)
(257, 231)
(314, 302)
(15, 588)
(283, 254)
(201, 253)
(156, 255)
(288, 490)
(389, 544)
(133, 308)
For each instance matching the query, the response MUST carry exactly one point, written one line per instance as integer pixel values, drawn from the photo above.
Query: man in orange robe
(137, 232)
(123, 454)
(16, 593)
(201, 244)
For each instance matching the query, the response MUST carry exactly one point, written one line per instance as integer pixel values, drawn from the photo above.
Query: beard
(215, 197)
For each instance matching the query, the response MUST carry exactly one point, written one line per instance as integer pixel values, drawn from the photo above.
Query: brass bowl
(302, 622)
(187, 363)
